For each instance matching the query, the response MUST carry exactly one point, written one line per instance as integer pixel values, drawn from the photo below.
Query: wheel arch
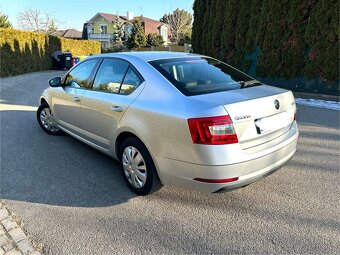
(123, 136)
(126, 134)
(43, 100)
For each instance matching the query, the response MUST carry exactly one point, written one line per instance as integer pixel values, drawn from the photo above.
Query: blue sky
(73, 13)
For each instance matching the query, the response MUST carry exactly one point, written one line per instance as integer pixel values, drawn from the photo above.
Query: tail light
(212, 130)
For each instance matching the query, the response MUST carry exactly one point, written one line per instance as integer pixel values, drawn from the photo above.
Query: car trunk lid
(259, 114)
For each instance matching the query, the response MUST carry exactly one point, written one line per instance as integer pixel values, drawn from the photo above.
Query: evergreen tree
(137, 38)
(4, 22)
(119, 31)
(289, 39)
(154, 40)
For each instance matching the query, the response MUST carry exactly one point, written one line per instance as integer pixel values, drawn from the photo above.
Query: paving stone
(9, 224)
(35, 253)
(3, 214)
(17, 234)
(13, 252)
(13, 240)
(4, 240)
(8, 246)
(25, 246)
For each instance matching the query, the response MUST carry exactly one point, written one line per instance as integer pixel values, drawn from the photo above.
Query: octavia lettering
(242, 117)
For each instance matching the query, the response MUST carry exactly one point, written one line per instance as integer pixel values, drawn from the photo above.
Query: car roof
(150, 55)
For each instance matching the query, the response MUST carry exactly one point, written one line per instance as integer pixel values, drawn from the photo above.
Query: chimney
(130, 15)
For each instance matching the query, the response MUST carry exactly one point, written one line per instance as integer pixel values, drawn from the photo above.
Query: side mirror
(55, 82)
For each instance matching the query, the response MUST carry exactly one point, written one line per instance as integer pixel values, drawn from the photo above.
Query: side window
(130, 83)
(110, 75)
(80, 75)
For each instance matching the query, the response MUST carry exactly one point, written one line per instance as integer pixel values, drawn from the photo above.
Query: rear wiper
(249, 83)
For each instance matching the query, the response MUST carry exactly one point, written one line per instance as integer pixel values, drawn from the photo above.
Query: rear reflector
(216, 181)
(212, 130)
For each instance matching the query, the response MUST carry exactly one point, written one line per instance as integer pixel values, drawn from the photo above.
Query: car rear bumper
(182, 174)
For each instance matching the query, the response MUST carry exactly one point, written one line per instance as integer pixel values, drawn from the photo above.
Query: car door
(115, 87)
(66, 100)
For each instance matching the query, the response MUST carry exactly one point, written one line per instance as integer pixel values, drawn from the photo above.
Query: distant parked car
(173, 118)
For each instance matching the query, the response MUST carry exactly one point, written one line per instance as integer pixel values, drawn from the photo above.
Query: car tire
(46, 120)
(137, 167)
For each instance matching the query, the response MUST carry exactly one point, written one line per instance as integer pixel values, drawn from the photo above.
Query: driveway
(72, 198)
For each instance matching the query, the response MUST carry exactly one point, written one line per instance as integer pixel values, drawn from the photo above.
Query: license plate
(273, 123)
(68, 58)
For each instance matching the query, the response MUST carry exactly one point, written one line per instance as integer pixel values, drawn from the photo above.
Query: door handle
(116, 108)
(76, 98)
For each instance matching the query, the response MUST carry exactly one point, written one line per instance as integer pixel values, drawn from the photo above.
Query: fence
(172, 48)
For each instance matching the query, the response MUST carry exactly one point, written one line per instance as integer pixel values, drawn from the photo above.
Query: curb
(13, 240)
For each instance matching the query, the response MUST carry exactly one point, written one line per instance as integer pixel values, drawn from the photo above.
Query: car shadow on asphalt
(62, 171)
(59, 170)
(55, 170)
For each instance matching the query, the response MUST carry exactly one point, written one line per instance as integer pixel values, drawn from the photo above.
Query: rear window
(198, 75)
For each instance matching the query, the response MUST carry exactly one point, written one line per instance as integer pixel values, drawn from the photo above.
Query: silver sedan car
(175, 119)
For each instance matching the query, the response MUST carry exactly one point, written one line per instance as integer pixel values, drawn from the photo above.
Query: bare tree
(180, 22)
(34, 20)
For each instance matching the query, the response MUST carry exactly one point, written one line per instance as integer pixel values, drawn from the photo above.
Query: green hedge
(80, 47)
(269, 38)
(22, 52)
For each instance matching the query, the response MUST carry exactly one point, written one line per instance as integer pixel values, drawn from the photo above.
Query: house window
(128, 30)
(103, 29)
(90, 29)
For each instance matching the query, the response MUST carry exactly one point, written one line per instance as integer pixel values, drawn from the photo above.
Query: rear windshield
(198, 75)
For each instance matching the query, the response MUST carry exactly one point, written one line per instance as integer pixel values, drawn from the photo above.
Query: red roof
(151, 25)
(110, 17)
(72, 33)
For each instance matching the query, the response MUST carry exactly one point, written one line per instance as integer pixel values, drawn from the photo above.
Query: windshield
(199, 75)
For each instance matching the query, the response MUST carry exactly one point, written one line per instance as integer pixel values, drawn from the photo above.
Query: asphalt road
(73, 199)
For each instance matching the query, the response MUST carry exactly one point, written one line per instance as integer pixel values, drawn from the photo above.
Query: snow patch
(332, 105)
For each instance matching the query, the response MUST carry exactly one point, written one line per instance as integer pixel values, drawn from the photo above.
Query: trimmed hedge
(80, 47)
(23, 52)
(291, 39)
